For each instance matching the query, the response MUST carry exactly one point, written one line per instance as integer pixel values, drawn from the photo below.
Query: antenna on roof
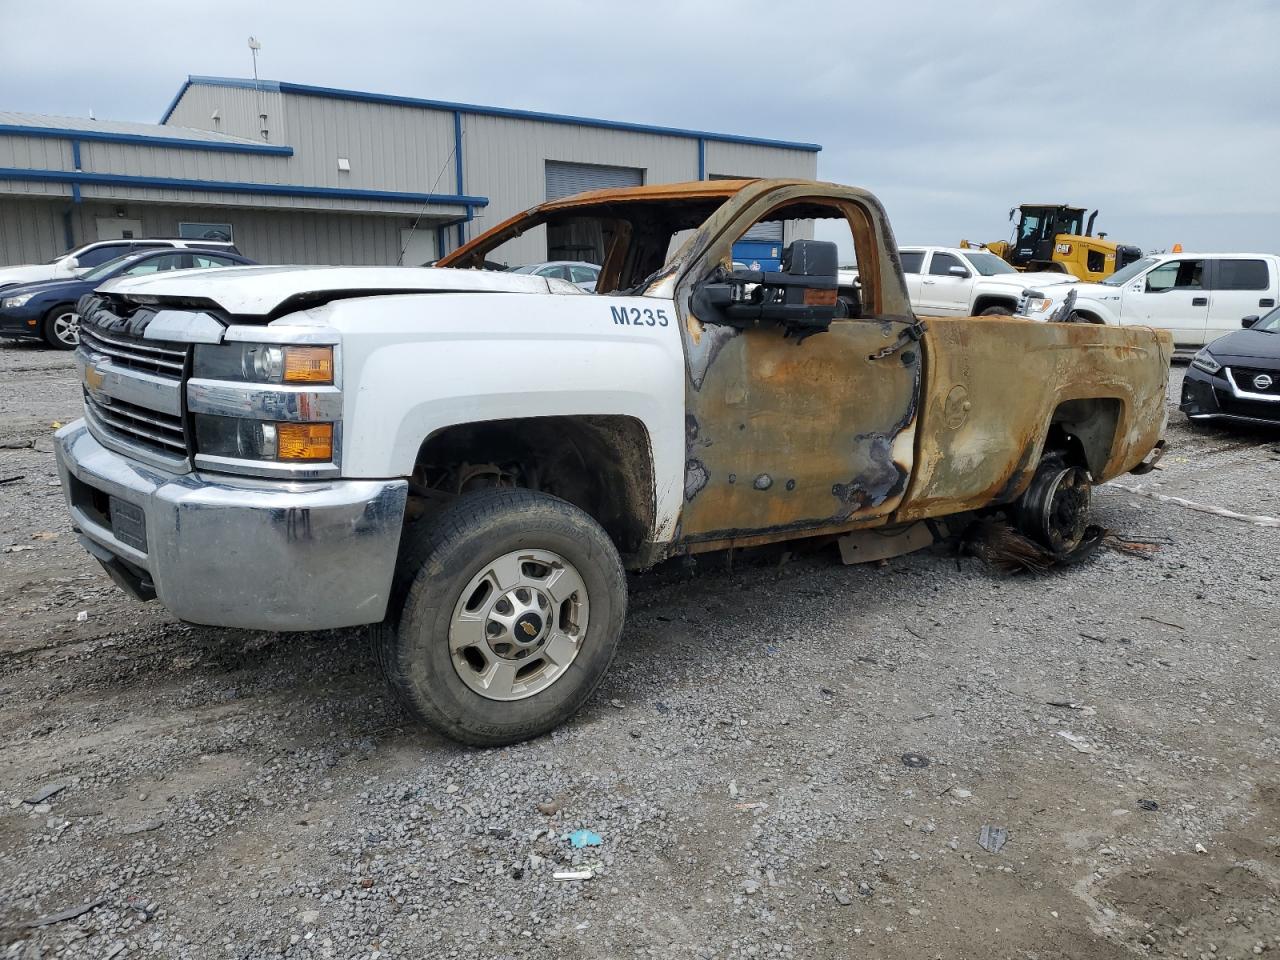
(254, 47)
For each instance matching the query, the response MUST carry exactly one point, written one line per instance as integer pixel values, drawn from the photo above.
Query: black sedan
(1237, 377)
(47, 309)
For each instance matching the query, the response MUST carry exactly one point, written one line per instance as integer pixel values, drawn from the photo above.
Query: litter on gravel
(1078, 742)
(991, 838)
(584, 838)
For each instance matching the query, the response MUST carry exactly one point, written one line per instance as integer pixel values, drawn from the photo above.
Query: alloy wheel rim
(519, 624)
(66, 328)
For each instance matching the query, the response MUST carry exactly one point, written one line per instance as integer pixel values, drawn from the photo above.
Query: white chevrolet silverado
(958, 282)
(469, 460)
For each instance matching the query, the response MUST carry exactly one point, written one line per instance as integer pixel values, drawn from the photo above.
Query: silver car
(575, 271)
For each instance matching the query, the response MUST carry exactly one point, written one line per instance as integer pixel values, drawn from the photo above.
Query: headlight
(11, 303)
(244, 439)
(265, 363)
(1039, 304)
(1203, 360)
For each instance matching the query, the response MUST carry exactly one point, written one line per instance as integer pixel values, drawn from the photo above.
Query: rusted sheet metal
(784, 436)
(791, 437)
(527, 219)
(991, 389)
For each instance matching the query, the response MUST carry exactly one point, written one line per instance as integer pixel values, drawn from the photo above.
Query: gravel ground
(787, 760)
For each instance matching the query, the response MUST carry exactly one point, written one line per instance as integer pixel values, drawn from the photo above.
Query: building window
(205, 231)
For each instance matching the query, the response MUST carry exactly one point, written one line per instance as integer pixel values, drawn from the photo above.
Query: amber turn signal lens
(308, 365)
(304, 441)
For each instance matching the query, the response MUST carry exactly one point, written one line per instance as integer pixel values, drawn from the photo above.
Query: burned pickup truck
(470, 460)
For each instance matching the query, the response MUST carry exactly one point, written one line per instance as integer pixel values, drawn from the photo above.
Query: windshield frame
(1134, 270)
(1269, 322)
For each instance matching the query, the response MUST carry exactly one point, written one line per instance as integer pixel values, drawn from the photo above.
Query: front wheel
(997, 311)
(61, 327)
(507, 610)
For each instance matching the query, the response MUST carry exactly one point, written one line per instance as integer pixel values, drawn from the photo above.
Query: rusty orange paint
(862, 425)
(993, 386)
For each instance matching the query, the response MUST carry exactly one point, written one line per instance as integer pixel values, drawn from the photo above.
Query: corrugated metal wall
(390, 147)
(33, 231)
(506, 161)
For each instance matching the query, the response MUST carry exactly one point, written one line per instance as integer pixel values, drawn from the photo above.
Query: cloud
(1164, 116)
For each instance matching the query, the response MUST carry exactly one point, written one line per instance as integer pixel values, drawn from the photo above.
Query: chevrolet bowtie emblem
(527, 627)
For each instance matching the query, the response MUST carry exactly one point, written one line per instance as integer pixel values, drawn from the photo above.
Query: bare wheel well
(601, 464)
(1084, 431)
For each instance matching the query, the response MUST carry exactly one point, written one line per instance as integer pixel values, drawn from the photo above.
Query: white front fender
(415, 364)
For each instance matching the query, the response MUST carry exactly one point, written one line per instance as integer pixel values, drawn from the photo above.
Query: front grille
(1244, 380)
(133, 389)
(169, 360)
(137, 426)
(1256, 409)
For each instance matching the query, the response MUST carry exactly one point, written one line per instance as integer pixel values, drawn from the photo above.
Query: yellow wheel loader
(1056, 237)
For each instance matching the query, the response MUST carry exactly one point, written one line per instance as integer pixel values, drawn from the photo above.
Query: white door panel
(941, 293)
(1171, 297)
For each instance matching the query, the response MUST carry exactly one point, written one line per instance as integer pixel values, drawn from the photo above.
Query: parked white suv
(1197, 297)
(75, 262)
(954, 282)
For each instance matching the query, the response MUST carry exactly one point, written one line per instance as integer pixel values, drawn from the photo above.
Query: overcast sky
(1165, 115)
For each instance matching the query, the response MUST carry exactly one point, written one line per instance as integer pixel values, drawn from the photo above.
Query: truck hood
(1020, 281)
(260, 291)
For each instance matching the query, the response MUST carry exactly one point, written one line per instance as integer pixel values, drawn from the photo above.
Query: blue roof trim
(269, 85)
(482, 111)
(174, 143)
(76, 177)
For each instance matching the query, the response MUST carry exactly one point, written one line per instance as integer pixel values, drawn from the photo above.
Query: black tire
(437, 563)
(53, 324)
(997, 311)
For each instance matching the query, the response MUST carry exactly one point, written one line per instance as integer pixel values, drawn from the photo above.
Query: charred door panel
(992, 386)
(791, 436)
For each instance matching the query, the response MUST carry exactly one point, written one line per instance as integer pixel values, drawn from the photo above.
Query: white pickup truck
(1197, 297)
(469, 460)
(956, 282)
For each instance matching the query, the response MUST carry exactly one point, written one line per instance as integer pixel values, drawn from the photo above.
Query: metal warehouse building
(304, 174)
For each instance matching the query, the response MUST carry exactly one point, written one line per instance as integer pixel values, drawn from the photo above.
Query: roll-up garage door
(566, 179)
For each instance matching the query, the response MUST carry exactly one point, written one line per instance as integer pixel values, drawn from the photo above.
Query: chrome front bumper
(224, 551)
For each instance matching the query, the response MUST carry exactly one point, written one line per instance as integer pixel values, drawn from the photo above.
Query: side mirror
(960, 272)
(71, 263)
(1248, 322)
(803, 296)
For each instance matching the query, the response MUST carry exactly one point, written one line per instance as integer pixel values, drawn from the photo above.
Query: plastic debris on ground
(991, 838)
(572, 875)
(584, 838)
(1080, 743)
